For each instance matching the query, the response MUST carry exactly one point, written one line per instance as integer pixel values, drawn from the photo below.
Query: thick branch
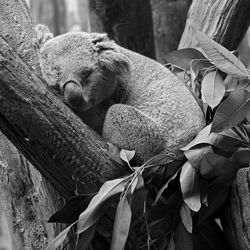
(55, 140)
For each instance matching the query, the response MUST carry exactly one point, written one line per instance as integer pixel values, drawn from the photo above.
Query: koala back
(159, 97)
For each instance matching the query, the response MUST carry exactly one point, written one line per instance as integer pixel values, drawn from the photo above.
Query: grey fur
(136, 102)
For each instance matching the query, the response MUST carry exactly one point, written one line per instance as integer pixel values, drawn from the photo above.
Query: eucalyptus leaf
(127, 155)
(212, 88)
(233, 83)
(226, 140)
(134, 184)
(171, 244)
(202, 137)
(221, 57)
(186, 217)
(195, 155)
(183, 239)
(189, 182)
(56, 242)
(121, 224)
(213, 165)
(232, 111)
(183, 57)
(95, 208)
(72, 209)
(85, 238)
(241, 156)
(216, 197)
(165, 186)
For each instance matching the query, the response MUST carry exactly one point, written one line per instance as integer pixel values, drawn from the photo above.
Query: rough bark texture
(169, 19)
(129, 23)
(26, 198)
(224, 20)
(55, 140)
(237, 218)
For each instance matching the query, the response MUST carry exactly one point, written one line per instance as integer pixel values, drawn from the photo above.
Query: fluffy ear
(111, 59)
(43, 34)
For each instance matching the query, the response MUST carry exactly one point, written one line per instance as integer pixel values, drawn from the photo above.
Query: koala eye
(84, 74)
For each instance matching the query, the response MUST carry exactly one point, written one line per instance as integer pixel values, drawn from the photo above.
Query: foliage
(171, 202)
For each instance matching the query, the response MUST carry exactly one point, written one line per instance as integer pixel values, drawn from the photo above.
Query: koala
(131, 100)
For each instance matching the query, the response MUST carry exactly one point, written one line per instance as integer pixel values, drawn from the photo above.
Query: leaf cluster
(175, 202)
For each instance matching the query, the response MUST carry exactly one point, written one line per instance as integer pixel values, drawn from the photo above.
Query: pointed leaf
(202, 137)
(221, 57)
(232, 111)
(95, 208)
(233, 83)
(212, 88)
(216, 197)
(171, 244)
(242, 156)
(213, 165)
(195, 155)
(134, 184)
(127, 155)
(71, 210)
(137, 184)
(226, 140)
(183, 239)
(186, 217)
(183, 57)
(190, 187)
(85, 238)
(59, 238)
(121, 225)
(165, 186)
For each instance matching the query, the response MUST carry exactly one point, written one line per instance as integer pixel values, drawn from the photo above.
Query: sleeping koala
(133, 101)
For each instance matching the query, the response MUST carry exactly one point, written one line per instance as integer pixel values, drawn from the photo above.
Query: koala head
(85, 66)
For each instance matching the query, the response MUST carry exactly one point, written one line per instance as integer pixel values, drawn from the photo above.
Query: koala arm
(129, 128)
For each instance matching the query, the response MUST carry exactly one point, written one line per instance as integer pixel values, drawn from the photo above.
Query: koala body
(133, 101)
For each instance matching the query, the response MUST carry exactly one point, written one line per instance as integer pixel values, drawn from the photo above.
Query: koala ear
(111, 59)
(43, 34)
(99, 37)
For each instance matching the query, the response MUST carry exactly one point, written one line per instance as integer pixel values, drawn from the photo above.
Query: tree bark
(27, 201)
(226, 22)
(129, 23)
(26, 198)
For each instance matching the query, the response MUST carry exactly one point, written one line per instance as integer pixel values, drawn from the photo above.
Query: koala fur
(133, 101)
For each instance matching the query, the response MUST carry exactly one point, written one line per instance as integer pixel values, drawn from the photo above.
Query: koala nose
(73, 94)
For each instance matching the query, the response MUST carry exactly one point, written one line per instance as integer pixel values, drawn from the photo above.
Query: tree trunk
(26, 198)
(169, 19)
(129, 23)
(226, 22)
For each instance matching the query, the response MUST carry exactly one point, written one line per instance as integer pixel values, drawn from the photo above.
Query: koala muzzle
(73, 95)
